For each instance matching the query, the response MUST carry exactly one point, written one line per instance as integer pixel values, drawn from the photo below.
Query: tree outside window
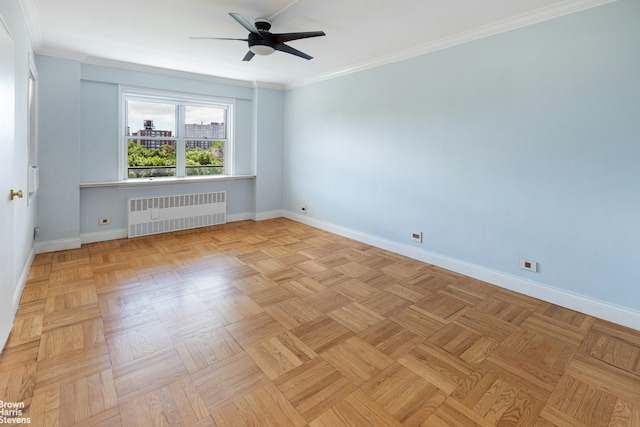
(168, 137)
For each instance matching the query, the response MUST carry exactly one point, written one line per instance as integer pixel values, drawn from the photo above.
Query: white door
(7, 141)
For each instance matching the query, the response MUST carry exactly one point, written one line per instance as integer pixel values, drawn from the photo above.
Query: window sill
(150, 182)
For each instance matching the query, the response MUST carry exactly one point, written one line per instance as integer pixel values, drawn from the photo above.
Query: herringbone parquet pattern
(276, 323)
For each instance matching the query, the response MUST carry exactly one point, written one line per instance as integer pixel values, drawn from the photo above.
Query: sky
(163, 115)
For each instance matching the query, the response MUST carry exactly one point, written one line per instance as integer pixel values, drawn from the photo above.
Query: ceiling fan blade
(248, 56)
(286, 37)
(288, 49)
(246, 24)
(217, 38)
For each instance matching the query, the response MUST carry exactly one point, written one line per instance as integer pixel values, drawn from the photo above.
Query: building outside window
(174, 135)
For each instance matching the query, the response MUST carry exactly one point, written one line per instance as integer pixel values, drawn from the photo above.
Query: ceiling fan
(263, 42)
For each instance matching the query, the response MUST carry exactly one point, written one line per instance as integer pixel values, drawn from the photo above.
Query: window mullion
(123, 169)
(199, 119)
(180, 142)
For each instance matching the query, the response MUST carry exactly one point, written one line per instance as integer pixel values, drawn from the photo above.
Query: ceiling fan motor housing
(263, 39)
(262, 24)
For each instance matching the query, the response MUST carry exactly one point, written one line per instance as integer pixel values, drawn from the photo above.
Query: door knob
(15, 194)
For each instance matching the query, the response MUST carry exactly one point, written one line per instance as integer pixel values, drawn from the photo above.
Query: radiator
(161, 214)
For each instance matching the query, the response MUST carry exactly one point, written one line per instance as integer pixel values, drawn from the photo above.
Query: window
(174, 135)
(32, 129)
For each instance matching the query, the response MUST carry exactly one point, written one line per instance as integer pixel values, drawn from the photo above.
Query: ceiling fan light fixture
(262, 42)
(261, 49)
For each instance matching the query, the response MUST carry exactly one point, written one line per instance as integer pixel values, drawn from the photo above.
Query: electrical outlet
(416, 236)
(303, 209)
(104, 221)
(528, 265)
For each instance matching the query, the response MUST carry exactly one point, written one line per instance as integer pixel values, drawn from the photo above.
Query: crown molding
(112, 63)
(129, 66)
(105, 62)
(267, 85)
(33, 23)
(62, 54)
(539, 15)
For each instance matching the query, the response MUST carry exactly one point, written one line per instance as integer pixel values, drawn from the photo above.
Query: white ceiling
(360, 33)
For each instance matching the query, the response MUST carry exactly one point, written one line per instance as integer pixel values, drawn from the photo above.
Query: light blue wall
(521, 145)
(99, 136)
(100, 108)
(99, 146)
(59, 150)
(111, 202)
(245, 146)
(79, 125)
(269, 132)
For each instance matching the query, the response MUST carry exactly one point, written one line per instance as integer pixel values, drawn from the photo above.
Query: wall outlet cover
(525, 264)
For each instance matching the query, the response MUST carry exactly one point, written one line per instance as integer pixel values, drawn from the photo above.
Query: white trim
(62, 54)
(150, 182)
(129, 66)
(230, 148)
(102, 236)
(33, 22)
(122, 120)
(145, 94)
(56, 245)
(539, 15)
(263, 216)
(32, 130)
(179, 100)
(543, 14)
(22, 281)
(584, 304)
(6, 28)
(121, 233)
(240, 217)
(266, 85)
(581, 303)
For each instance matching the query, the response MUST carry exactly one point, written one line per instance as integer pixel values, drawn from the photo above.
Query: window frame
(181, 100)
(32, 128)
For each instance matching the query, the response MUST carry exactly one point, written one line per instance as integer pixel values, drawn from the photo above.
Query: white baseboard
(17, 293)
(102, 236)
(56, 245)
(253, 216)
(240, 217)
(22, 281)
(581, 303)
(121, 233)
(584, 304)
(263, 216)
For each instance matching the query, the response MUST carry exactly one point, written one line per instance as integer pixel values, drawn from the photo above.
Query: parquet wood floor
(275, 323)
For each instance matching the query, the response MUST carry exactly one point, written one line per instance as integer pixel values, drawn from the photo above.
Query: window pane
(151, 142)
(205, 134)
(33, 145)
